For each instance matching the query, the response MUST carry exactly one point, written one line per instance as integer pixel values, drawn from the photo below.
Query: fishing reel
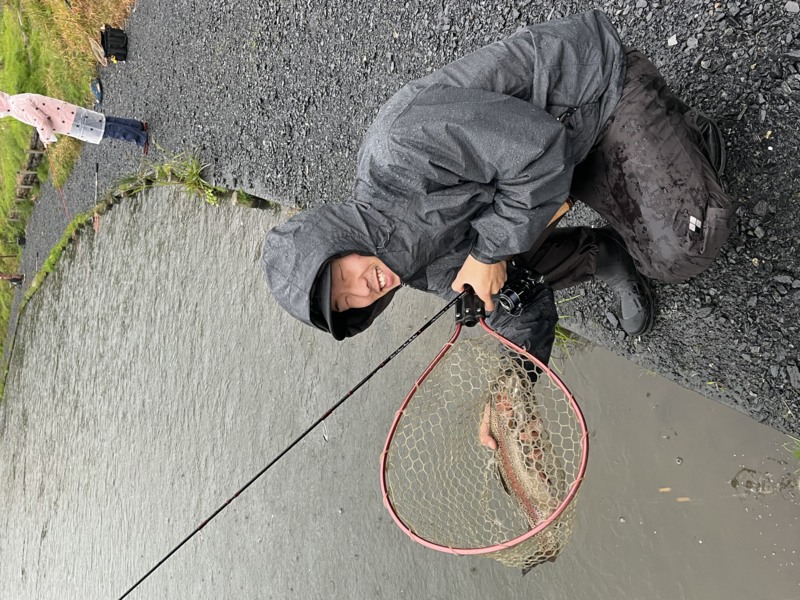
(518, 290)
(512, 298)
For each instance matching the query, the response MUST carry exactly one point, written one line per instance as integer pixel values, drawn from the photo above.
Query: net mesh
(452, 491)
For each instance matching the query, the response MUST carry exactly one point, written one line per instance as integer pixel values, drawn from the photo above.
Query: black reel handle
(469, 308)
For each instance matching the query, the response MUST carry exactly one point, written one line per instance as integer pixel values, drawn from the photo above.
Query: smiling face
(358, 281)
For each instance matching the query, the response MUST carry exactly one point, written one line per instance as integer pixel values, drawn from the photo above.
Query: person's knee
(679, 269)
(687, 248)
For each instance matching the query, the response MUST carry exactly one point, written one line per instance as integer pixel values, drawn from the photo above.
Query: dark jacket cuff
(486, 259)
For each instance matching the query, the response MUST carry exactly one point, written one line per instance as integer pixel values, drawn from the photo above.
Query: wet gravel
(276, 95)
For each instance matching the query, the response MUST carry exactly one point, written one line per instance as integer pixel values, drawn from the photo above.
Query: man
(463, 171)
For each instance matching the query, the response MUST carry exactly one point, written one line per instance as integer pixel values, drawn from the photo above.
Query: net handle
(540, 526)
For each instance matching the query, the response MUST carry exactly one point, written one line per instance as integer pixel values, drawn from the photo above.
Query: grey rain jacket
(474, 158)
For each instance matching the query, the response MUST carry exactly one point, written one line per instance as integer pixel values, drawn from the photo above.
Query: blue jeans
(128, 130)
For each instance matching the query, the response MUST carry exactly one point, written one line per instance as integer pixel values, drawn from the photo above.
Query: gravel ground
(275, 96)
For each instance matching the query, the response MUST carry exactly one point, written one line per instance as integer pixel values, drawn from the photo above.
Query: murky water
(153, 375)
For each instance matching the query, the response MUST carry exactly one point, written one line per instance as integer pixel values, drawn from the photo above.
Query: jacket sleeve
(39, 120)
(451, 137)
(5, 108)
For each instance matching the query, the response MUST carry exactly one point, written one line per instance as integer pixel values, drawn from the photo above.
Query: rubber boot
(633, 301)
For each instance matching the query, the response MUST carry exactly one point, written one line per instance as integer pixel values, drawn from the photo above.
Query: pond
(153, 375)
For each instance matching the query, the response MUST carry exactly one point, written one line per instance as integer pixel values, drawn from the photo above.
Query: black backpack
(114, 42)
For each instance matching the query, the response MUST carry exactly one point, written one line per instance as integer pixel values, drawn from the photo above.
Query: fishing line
(294, 443)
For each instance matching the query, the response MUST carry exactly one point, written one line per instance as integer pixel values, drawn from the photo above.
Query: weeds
(50, 264)
(183, 169)
(793, 446)
(242, 198)
(44, 49)
(565, 340)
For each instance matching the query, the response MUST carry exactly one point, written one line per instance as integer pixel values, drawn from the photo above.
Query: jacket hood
(295, 252)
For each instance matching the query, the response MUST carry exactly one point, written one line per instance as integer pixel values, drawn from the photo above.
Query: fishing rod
(96, 181)
(295, 442)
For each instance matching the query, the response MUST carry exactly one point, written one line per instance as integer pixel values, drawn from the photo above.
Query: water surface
(153, 375)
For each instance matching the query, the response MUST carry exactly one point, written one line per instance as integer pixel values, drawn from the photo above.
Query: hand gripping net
(449, 492)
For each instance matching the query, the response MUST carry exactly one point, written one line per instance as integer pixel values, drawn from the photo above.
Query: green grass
(793, 446)
(184, 170)
(14, 136)
(565, 339)
(44, 49)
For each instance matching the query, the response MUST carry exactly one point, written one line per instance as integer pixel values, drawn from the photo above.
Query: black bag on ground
(114, 42)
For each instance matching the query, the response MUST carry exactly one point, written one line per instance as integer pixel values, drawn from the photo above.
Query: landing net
(450, 492)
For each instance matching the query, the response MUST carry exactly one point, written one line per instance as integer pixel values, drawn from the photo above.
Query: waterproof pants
(128, 130)
(649, 177)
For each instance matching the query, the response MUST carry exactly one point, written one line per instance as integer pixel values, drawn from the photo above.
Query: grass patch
(182, 169)
(793, 446)
(44, 49)
(565, 340)
(51, 263)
